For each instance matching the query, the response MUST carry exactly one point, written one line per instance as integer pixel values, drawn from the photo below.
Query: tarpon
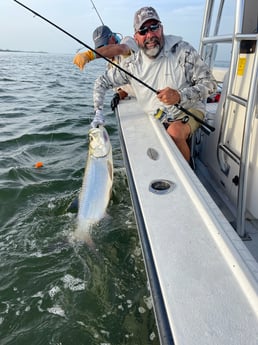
(97, 183)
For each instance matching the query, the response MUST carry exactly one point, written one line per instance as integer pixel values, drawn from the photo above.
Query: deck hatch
(161, 186)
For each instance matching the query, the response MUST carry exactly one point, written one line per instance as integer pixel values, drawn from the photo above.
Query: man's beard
(152, 53)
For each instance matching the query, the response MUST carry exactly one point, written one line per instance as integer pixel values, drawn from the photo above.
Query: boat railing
(232, 97)
(208, 48)
(245, 154)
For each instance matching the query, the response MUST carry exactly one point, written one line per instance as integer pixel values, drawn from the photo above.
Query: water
(54, 290)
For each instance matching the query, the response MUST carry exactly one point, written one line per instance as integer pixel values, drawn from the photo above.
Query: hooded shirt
(178, 66)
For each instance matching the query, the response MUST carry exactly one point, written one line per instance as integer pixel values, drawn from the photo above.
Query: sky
(21, 30)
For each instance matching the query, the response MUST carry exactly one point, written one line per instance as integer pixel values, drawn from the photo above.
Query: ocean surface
(54, 290)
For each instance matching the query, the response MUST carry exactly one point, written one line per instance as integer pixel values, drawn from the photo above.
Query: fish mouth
(99, 145)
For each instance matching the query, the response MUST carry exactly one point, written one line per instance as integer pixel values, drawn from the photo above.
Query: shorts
(194, 125)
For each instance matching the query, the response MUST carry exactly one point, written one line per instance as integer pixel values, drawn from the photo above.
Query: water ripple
(54, 289)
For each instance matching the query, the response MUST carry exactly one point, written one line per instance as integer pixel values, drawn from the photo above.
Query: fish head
(99, 143)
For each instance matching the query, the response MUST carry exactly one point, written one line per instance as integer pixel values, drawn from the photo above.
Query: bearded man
(169, 65)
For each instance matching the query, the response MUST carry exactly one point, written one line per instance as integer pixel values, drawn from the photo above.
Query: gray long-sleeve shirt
(178, 66)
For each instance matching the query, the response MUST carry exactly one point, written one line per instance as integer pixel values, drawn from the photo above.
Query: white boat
(199, 227)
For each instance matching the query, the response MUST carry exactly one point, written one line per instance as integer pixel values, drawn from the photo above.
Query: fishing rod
(203, 123)
(97, 12)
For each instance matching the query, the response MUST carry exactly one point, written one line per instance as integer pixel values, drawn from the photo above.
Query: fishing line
(97, 12)
(204, 124)
(77, 51)
(40, 164)
(51, 140)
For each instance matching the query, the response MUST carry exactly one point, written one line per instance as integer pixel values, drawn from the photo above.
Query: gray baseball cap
(101, 35)
(144, 14)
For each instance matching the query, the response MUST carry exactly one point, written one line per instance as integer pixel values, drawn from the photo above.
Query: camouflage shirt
(178, 66)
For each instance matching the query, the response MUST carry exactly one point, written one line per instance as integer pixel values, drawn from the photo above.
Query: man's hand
(122, 93)
(81, 59)
(168, 96)
(114, 101)
(98, 119)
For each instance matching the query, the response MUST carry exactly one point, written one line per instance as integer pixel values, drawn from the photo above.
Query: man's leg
(180, 132)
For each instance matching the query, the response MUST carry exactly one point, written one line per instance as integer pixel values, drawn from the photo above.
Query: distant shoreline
(20, 51)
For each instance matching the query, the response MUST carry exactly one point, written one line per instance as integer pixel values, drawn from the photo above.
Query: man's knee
(179, 131)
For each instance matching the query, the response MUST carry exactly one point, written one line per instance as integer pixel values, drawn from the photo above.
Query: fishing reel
(161, 115)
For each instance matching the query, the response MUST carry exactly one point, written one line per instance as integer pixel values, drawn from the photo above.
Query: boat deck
(200, 271)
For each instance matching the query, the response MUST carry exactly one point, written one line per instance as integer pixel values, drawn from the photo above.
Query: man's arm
(108, 51)
(113, 50)
(201, 81)
(112, 78)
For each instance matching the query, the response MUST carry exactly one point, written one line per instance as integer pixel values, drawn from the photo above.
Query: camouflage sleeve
(198, 76)
(112, 77)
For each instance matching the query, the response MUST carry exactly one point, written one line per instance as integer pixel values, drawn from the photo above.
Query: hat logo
(143, 15)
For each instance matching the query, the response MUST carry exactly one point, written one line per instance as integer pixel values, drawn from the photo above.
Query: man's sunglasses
(152, 28)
